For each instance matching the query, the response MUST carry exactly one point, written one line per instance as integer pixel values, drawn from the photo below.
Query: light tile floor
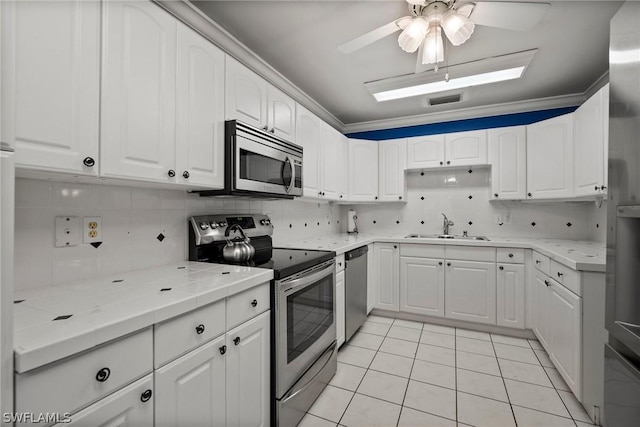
(397, 373)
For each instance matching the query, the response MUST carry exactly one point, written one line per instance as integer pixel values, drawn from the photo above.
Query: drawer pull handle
(501, 268)
(448, 264)
(560, 274)
(199, 329)
(146, 395)
(510, 255)
(236, 341)
(223, 349)
(439, 262)
(546, 282)
(103, 375)
(89, 162)
(254, 303)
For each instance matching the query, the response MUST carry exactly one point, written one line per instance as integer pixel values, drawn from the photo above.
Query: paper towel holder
(353, 216)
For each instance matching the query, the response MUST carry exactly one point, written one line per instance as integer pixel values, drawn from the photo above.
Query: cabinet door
(422, 286)
(50, 84)
(248, 373)
(308, 127)
(565, 316)
(330, 141)
(200, 113)
(246, 95)
(425, 152)
(138, 92)
(550, 158)
(470, 291)
(340, 308)
(392, 159)
(541, 307)
(371, 280)
(363, 177)
(589, 146)
(508, 158)
(131, 406)
(191, 390)
(386, 260)
(605, 137)
(466, 148)
(281, 112)
(510, 295)
(342, 168)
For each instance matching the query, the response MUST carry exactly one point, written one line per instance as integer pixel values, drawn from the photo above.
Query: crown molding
(469, 113)
(597, 85)
(196, 19)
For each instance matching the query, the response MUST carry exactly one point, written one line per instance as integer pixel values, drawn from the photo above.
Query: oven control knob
(222, 224)
(213, 225)
(204, 225)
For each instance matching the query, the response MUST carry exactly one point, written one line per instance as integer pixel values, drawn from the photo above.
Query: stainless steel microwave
(259, 164)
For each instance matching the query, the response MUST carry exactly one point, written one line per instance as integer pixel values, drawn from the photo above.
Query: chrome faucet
(445, 226)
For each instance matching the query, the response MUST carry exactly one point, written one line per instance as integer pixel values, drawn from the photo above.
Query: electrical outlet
(92, 229)
(67, 231)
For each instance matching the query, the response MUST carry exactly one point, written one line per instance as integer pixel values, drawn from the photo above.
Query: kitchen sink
(445, 236)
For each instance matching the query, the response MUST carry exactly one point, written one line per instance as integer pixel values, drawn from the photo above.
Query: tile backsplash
(132, 221)
(464, 197)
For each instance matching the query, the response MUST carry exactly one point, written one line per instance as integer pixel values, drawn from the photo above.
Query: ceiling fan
(423, 29)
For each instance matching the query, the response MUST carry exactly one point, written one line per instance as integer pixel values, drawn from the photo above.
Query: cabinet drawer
(566, 276)
(470, 253)
(422, 251)
(542, 263)
(77, 381)
(340, 263)
(184, 333)
(510, 255)
(247, 304)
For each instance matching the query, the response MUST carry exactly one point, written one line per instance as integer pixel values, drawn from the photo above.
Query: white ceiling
(300, 39)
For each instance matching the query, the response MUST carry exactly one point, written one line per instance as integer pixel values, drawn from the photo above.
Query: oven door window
(309, 315)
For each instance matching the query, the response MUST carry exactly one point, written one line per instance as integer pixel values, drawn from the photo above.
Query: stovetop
(286, 261)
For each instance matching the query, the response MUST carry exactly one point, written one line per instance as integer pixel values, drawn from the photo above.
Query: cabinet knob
(103, 375)
(223, 349)
(265, 127)
(319, 193)
(341, 196)
(323, 193)
(399, 197)
(146, 395)
(236, 341)
(171, 173)
(441, 163)
(89, 162)
(272, 130)
(501, 268)
(603, 187)
(185, 175)
(597, 188)
(510, 255)
(546, 282)
(199, 329)
(529, 194)
(448, 264)
(537, 261)
(560, 274)
(376, 197)
(448, 162)
(439, 262)
(495, 195)
(395, 247)
(254, 303)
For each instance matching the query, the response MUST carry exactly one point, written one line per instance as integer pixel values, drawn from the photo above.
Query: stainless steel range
(303, 326)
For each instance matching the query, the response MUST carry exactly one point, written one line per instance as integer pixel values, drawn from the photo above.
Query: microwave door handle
(287, 160)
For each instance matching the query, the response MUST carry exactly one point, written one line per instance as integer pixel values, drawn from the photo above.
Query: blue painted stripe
(515, 119)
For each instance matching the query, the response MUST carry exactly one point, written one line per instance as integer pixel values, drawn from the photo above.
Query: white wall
(598, 223)
(464, 198)
(132, 218)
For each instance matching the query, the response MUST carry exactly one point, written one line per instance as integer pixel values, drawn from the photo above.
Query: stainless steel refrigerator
(622, 353)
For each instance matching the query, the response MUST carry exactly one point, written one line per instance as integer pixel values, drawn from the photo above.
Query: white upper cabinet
(508, 158)
(281, 112)
(591, 142)
(200, 112)
(466, 148)
(50, 84)
(392, 160)
(550, 158)
(246, 95)
(363, 178)
(425, 152)
(333, 173)
(308, 127)
(138, 92)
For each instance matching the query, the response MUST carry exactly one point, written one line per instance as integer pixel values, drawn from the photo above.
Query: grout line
(513, 414)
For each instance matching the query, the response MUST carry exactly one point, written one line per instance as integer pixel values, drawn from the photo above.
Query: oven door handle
(327, 356)
(301, 282)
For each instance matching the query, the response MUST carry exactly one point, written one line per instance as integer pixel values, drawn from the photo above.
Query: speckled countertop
(576, 254)
(58, 321)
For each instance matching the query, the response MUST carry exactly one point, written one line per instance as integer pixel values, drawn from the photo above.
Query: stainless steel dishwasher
(355, 290)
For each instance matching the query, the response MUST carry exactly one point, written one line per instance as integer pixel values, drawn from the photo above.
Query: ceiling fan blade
(370, 37)
(509, 15)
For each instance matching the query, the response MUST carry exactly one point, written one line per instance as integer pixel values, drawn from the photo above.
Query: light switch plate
(67, 231)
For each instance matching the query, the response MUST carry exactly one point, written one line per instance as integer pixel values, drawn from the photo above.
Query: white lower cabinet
(131, 406)
(422, 286)
(470, 291)
(191, 390)
(248, 373)
(340, 308)
(540, 308)
(510, 298)
(386, 260)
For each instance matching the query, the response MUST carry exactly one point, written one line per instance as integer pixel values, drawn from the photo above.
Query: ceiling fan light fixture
(417, 2)
(411, 37)
(433, 51)
(457, 27)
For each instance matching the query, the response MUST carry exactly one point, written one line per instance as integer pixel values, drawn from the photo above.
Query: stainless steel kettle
(239, 249)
